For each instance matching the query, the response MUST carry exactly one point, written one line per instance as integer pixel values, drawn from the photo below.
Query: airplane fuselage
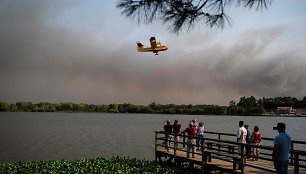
(150, 49)
(155, 46)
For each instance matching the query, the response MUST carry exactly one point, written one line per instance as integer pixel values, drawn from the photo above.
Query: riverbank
(97, 165)
(243, 108)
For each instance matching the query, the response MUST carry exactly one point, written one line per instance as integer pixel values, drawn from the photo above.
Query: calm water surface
(44, 136)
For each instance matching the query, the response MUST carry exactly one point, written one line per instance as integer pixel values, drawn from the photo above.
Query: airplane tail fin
(139, 45)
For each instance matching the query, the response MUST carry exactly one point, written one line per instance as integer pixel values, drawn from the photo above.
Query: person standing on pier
(282, 145)
(176, 131)
(241, 135)
(194, 122)
(168, 130)
(200, 135)
(191, 141)
(255, 140)
(248, 141)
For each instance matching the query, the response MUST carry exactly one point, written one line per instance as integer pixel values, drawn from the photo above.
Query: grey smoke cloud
(41, 59)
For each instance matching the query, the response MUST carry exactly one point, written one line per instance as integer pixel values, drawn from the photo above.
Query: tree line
(245, 106)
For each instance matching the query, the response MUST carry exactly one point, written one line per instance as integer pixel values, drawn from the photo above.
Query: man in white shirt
(241, 135)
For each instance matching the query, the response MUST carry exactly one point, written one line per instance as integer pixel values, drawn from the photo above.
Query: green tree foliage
(102, 108)
(184, 14)
(234, 110)
(246, 106)
(303, 102)
(44, 107)
(232, 103)
(118, 108)
(4, 106)
(24, 106)
(113, 108)
(247, 102)
(253, 111)
(252, 105)
(66, 106)
(13, 108)
(273, 103)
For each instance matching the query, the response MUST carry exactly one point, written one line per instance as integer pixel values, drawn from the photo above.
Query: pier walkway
(219, 152)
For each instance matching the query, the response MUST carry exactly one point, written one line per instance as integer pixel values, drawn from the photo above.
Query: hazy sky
(85, 51)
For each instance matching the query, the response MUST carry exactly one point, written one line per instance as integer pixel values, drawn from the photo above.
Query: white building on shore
(286, 111)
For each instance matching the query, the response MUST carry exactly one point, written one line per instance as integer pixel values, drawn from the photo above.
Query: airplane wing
(153, 42)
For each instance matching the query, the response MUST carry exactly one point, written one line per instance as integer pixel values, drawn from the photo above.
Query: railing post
(202, 144)
(155, 145)
(296, 162)
(174, 144)
(204, 161)
(208, 152)
(219, 138)
(184, 141)
(242, 157)
(292, 148)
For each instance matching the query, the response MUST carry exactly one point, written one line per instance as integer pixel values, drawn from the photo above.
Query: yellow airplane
(155, 47)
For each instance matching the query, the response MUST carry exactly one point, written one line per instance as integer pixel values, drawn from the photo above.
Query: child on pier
(200, 135)
(255, 140)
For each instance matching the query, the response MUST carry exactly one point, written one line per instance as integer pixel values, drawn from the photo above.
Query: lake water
(46, 136)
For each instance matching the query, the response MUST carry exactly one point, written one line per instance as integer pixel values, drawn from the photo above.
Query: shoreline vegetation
(97, 165)
(247, 106)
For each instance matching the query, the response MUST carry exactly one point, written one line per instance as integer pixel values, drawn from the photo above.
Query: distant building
(286, 110)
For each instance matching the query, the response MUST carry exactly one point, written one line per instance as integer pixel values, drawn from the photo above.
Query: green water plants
(112, 165)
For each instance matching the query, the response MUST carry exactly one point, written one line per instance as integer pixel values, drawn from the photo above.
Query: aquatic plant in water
(115, 165)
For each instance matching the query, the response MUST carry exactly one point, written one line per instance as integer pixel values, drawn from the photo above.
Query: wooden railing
(223, 146)
(266, 141)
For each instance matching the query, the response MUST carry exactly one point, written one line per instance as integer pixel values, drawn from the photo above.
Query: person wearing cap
(168, 130)
(194, 122)
(191, 141)
(281, 149)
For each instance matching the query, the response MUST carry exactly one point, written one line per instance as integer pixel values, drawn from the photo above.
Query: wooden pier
(219, 152)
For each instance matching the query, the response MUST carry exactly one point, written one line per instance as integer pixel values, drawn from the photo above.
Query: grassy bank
(112, 165)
